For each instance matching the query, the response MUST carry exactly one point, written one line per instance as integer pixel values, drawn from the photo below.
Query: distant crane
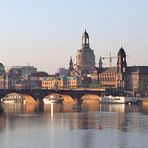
(110, 59)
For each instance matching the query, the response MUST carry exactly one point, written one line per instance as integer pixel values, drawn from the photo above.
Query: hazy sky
(46, 33)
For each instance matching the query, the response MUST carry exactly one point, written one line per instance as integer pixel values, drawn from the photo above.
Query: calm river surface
(74, 126)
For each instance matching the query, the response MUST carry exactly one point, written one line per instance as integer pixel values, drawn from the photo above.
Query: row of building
(84, 73)
(27, 77)
(120, 76)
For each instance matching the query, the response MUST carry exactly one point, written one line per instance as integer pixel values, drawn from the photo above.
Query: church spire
(85, 39)
(71, 63)
(100, 62)
(121, 63)
(71, 68)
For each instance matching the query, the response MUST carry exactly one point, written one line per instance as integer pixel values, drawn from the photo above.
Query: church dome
(121, 52)
(85, 59)
(2, 69)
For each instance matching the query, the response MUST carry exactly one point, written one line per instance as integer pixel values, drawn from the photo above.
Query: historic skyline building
(85, 59)
(82, 74)
(131, 78)
(114, 77)
(120, 76)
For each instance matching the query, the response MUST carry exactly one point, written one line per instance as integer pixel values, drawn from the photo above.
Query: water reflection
(73, 125)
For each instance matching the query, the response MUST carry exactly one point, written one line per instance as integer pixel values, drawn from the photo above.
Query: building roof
(73, 78)
(137, 69)
(39, 74)
(130, 69)
(107, 70)
(55, 78)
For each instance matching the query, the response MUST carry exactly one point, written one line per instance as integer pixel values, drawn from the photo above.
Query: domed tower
(85, 59)
(121, 63)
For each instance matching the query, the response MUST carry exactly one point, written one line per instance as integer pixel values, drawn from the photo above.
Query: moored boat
(53, 99)
(120, 99)
(12, 101)
(13, 98)
(8, 101)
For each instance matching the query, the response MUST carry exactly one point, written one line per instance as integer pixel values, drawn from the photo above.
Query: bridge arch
(90, 98)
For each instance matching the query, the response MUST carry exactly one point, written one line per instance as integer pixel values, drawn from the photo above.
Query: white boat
(11, 101)
(53, 99)
(119, 99)
(8, 101)
(13, 98)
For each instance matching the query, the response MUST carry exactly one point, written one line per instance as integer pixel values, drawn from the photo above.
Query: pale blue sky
(46, 33)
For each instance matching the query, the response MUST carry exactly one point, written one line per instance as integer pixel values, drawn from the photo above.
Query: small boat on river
(13, 98)
(120, 99)
(12, 101)
(53, 99)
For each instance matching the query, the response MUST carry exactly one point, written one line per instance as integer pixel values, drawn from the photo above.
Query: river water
(74, 126)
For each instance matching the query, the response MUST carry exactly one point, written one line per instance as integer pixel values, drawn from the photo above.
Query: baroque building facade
(130, 78)
(61, 82)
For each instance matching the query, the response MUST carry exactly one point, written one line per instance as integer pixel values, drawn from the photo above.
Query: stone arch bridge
(39, 94)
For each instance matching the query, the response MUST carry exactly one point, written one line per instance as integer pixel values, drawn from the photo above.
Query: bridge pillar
(39, 101)
(40, 104)
(78, 98)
